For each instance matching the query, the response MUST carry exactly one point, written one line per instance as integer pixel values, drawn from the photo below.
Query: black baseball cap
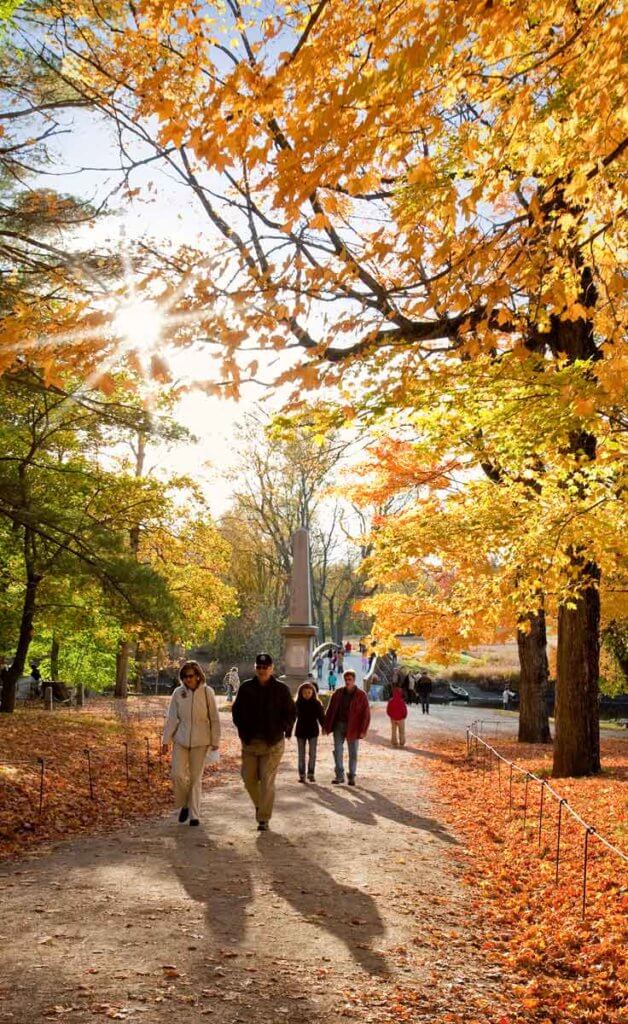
(263, 659)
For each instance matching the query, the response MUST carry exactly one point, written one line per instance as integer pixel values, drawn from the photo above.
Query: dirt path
(351, 907)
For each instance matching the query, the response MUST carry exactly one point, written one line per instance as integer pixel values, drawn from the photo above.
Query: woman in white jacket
(193, 726)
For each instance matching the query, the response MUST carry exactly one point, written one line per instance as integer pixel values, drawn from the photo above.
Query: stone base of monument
(297, 654)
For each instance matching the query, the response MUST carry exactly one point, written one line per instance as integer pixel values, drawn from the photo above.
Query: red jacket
(396, 707)
(359, 714)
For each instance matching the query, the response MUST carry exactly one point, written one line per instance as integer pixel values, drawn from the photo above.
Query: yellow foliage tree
(401, 189)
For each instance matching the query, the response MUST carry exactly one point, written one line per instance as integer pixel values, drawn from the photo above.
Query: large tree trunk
(54, 657)
(319, 616)
(340, 625)
(332, 618)
(12, 674)
(577, 715)
(122, 669)
(532, 645)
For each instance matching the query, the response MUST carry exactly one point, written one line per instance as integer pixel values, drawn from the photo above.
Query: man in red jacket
(348, 718)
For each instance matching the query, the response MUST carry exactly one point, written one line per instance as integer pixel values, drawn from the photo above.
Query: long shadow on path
(365, 806)
(342, 910)
(376, 739)
(220, 878)
(216, 877)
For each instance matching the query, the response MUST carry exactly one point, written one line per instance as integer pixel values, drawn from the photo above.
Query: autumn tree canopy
(411, 204)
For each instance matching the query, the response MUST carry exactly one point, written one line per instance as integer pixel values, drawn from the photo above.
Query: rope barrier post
(510, 790)
(499, 776)
(560, 818)
(585, 863)
(468, 749)
(147, 760)
(541, 811)
(42, 774)
(589, 830)
(88, 755)
(126, 759)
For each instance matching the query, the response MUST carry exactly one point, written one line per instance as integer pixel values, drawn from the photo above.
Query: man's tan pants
(398, 729)
(260, 763)
(187, 774)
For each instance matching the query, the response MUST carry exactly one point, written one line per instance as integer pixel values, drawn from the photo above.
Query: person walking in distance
(231, 682)
(423, 689)
(310, 715)
(193, 726)
(506, 695)
(348, 718)
(320, 664)
(263, 713)
(397, 712)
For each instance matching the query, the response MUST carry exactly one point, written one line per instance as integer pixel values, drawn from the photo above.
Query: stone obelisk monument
(300, 631)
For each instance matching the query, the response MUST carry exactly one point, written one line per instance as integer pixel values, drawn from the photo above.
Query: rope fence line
(139, 764)
(131, 752)
(483, 755)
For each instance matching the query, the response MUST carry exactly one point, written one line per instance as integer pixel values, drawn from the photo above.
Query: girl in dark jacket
(310, 716)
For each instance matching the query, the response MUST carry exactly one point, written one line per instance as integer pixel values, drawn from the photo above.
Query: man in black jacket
(264, 714)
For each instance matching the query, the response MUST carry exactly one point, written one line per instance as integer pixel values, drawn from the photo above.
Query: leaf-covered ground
(410, 898)
(62, 738)
(574, 967)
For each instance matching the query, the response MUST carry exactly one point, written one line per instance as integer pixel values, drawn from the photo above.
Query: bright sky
(170, 215)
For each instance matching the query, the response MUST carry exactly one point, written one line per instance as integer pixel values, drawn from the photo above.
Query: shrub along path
(352, 907)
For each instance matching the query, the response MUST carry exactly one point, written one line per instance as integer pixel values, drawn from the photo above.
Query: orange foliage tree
(498, 502)
(396, 190)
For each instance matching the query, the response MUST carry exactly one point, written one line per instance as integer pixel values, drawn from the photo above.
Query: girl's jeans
(311, 761)
(340, 734)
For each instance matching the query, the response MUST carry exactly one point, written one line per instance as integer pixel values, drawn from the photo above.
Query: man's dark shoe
(311, 778)
(183, 814)
(262, 826)
(194, 821)
(351, 780)
(337, 782)
(301, 778)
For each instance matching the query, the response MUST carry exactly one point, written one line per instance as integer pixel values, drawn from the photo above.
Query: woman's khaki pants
(187, 774)
(398, 730)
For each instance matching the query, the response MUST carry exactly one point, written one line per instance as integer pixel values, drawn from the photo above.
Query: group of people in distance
(265, 715)
(335, 658)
